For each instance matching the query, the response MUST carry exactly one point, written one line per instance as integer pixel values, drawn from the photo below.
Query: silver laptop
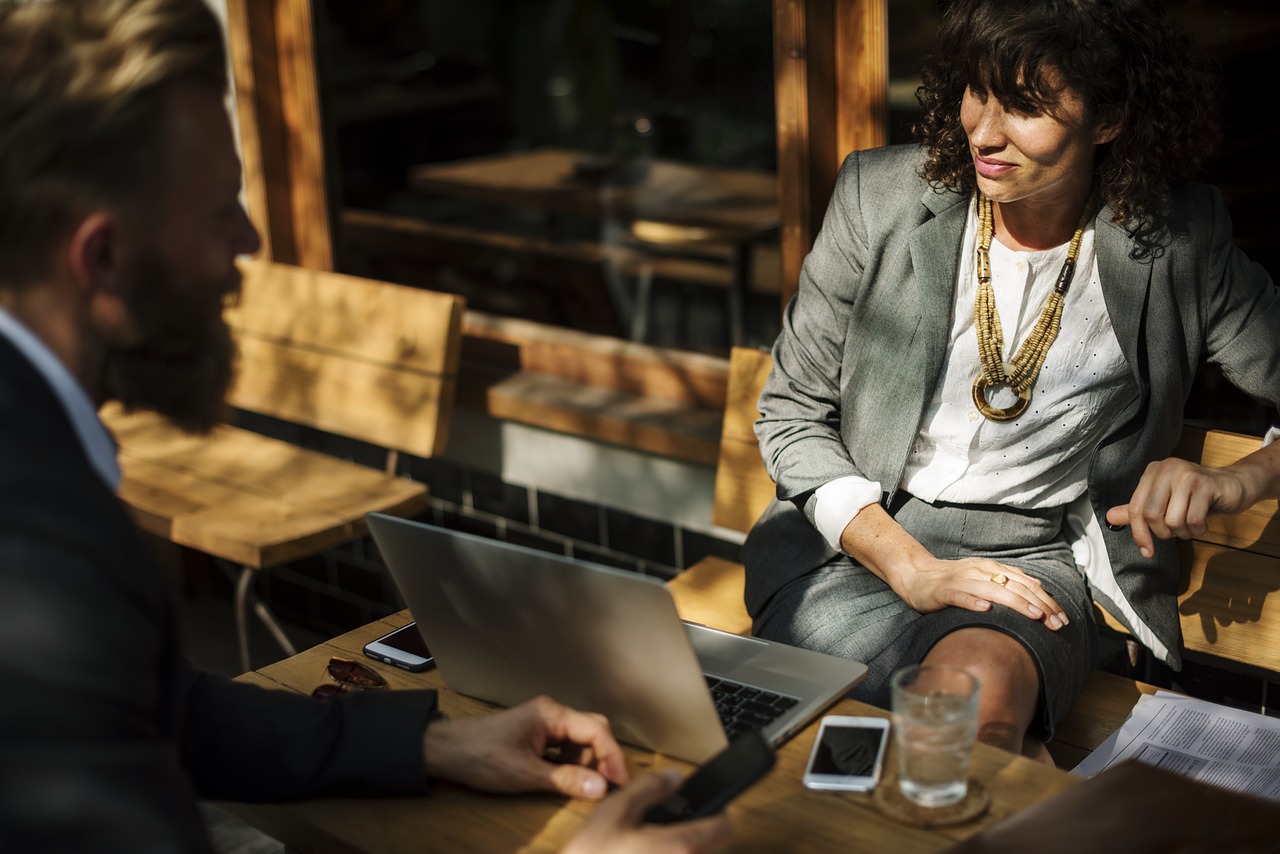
(506, 623)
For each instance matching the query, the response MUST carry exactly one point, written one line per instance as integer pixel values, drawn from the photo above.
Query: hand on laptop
(617, 825)
(507, 751)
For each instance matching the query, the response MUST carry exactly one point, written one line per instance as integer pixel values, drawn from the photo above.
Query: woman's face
(1038, 157)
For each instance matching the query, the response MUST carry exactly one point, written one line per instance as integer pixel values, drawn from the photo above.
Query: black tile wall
(469, 524)
(289, 599)
(447, 481)
(648, 539)
(605, 558)
(338, 612)
(578, 520)
(1240, 690)
(695, 545)
(368, 583)
(318, 568)
(490, 494)
(529, 539)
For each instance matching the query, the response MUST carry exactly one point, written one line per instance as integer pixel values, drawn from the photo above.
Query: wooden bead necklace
(1020, 373)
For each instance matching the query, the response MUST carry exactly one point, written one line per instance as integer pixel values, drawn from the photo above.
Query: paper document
(1214, 744)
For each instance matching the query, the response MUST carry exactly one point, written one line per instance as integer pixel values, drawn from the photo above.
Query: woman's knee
(1009, 682)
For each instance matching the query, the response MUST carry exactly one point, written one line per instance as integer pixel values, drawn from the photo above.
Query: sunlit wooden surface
(777, 814)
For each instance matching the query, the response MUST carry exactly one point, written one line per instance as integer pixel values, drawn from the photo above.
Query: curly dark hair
(1123, 58)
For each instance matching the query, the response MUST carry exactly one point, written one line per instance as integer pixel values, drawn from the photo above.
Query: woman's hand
(926, 583)
(974, 583)
(1175, 497)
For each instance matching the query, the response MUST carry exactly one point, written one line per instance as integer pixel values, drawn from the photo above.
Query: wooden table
(677, 206)
(777, 814)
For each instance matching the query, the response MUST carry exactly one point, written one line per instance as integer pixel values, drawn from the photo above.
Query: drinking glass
(935, 718)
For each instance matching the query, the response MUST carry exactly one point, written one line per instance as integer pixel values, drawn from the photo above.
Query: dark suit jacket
(107, 735)
(864, 339)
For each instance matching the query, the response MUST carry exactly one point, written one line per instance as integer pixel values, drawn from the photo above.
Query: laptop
(506, 623)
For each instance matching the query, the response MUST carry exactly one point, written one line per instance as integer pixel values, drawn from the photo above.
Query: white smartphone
(403, 648)
(848, 753)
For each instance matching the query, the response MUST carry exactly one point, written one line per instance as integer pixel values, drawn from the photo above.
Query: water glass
(935, 718)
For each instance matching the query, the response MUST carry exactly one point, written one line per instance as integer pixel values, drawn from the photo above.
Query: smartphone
(404, 648)
(848, 753)
(726, 775)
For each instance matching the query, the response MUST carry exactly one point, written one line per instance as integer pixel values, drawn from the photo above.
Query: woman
(993, 336)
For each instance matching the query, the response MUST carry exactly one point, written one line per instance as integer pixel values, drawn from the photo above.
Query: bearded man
(120, 225)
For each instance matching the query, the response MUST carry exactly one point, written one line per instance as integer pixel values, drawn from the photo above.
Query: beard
(179, 361)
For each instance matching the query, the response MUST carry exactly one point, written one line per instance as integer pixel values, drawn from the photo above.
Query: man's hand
(1175, 497)
(507, 751)
(616, 825)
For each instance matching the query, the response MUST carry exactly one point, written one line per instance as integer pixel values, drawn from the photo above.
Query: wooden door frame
(282, 135)
(831, 71)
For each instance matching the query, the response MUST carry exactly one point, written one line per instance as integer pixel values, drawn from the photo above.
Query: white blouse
(1040, 459)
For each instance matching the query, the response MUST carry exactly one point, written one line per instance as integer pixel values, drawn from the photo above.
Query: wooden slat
(1228, 606)
(743, 487)
(381, 405)
(369, 360)
(648, 424)
(710, 593)
(245, 497)
(378, 322)
(1256, 529)
(638, 369)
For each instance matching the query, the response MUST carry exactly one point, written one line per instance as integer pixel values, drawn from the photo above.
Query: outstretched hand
(1175, 497)
(617, 825)
(508, 751)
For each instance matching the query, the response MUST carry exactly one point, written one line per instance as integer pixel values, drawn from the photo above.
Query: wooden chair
(1227, 594)
(357, 358)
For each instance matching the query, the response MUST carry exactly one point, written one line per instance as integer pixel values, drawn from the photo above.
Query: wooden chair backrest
(743, 488)
(360, 358)
(1227, 595)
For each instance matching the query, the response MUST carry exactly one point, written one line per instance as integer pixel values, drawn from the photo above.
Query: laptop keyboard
(744, 708)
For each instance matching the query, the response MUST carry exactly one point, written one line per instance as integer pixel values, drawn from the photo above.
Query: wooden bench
(357, 358)
(1229, 607)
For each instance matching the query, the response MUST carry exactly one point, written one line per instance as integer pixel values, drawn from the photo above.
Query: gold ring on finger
(1000, 578)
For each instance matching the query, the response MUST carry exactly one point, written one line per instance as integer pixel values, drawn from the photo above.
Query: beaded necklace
(1020, 373)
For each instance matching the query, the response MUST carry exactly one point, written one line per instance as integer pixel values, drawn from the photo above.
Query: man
(119, 228)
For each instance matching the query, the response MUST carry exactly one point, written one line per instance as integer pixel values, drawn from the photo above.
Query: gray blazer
(863, 343)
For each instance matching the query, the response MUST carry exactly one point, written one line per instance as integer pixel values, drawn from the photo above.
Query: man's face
(176, 356)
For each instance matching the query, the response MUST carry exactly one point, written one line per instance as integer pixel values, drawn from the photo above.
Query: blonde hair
(83, 97)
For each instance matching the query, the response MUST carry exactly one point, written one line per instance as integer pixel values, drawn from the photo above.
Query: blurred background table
(656, 217)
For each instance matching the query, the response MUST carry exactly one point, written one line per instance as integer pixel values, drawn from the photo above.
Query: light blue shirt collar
(98, 445)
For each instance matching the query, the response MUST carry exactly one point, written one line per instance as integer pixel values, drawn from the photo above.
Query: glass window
(606, 165)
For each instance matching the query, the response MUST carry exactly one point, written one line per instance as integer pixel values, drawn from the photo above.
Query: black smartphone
(726, 775)
(403, 648)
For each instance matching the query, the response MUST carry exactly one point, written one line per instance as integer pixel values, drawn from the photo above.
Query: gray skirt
(842, 608)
